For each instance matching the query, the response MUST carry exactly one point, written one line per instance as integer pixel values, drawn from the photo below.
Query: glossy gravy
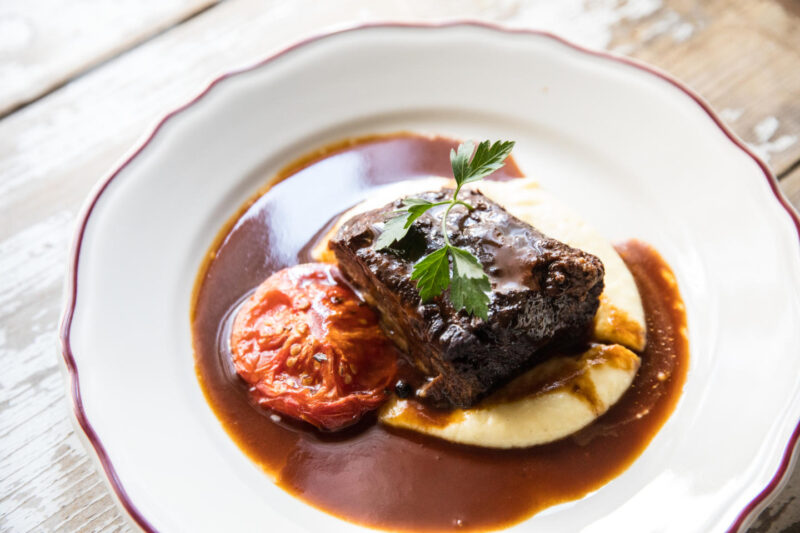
(397, 480)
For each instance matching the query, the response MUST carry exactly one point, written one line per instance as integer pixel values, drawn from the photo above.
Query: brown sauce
(556, 373)
(397, 480)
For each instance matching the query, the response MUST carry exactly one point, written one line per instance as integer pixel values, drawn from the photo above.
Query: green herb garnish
(467, 281)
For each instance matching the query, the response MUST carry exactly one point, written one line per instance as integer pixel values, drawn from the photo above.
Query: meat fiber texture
(544, 295)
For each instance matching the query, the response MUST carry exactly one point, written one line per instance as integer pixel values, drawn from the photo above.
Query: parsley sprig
(467, 281)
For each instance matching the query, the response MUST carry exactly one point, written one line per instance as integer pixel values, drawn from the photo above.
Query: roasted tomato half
(310, 349)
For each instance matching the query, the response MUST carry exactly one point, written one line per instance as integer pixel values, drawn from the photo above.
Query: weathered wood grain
(743, 56)
(53, 150)
(790, 184)
(783, 513)
(46, 42)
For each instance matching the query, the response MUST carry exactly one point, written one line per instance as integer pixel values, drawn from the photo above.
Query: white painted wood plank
(46, 42)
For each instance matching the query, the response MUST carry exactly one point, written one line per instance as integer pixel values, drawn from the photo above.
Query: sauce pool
(397, 480)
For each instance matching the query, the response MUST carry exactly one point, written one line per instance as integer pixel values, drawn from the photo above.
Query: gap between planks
(43, 52)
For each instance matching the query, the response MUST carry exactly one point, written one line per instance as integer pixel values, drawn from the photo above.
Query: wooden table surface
(81, 81)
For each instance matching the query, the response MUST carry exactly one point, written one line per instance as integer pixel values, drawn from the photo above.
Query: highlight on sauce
(368, 473)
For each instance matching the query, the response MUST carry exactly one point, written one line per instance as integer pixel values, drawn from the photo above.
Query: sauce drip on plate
(398, 480)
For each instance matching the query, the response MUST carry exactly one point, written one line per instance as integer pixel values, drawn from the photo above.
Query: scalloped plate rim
(68, 358)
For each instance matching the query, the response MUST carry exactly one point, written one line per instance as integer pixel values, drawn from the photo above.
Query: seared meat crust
(544, 293)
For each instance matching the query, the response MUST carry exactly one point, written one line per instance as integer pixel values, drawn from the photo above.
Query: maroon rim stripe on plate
(72, 274)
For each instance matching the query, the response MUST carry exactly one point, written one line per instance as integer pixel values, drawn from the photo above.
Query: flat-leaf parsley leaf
(468, 283)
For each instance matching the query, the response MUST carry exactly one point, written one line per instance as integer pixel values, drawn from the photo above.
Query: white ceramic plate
(634, 151)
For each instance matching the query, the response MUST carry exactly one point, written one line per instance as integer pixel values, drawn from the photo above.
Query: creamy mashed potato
(554, 399)
(563, 394)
